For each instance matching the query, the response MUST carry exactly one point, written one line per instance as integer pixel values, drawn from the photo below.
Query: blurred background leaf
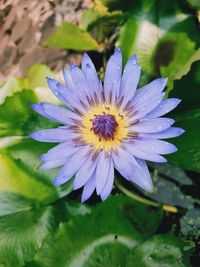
(71, 37)
(155, 31)
(188, 156)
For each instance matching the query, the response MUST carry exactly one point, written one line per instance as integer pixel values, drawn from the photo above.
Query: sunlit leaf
(37, 76)
(23, 233)
(155, 31)
(69, 36)
(12, 86)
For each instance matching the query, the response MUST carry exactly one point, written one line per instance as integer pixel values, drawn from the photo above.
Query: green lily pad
(100, 238)
(161, 251)
(23, 233)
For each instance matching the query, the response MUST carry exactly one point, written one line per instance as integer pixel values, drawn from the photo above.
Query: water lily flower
(106, 127)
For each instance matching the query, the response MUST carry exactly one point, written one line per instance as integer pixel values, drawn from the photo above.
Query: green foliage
(190, 224)
(187, 89)
(25, 221)
(101, 23)
(168, 183)
(194, 3)
(161, 251)
(188, 156)
(156, 31)
(71, 37)
(101, 238)
(23, 233)
(113, 240)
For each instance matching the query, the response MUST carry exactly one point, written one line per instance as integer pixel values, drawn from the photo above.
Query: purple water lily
(106, 127)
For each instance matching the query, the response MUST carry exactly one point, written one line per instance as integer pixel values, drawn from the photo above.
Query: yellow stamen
(91, 138)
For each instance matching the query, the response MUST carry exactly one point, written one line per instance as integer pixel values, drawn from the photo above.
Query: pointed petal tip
(133, 59)
(83, 199)
(42, 167)
(34, 106)
(49, 79)
(86, 60)
(175, 149)
(117, 54)
(162, 81)
(32, 135)
(164, 160)
(57, 182)
(172, 121)
(85, 55)
(43, 157)
(52, 83)
(118, 49)
(150, 188)
(103, 198)
(76, 186)
(73, 65)
(182, 131)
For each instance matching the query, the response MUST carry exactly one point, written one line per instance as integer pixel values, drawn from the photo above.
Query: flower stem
(143, 200)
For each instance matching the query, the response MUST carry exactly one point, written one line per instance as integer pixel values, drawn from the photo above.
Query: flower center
(104, 126)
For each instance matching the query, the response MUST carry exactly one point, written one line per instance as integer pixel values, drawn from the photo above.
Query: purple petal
(131, 172)
(84, 173)
(52, 83)
(72, 166)
(153, 88)
(142, 178)
(164, 107)
(109, 183)
(130, 79)
(52, 164)
(55, 113)
(101, 176)
(154, 146)
(68, 79)
(142, 107)
(81, 85)
(152, 126)
(113, 75)
(55, 135)
(89, 188)
(62, 150)
(168, 133)
(144, 155)
(91, 76)
(68, 96)
(123, 164)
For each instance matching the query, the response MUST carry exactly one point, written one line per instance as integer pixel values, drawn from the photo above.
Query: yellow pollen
(107, 144)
